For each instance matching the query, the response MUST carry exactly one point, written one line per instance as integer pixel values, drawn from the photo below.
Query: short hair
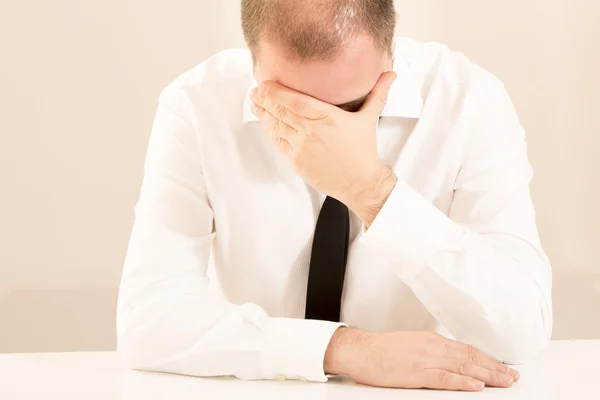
(317, 29)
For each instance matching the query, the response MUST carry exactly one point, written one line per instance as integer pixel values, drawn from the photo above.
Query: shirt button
(281, 377)
(437, 313)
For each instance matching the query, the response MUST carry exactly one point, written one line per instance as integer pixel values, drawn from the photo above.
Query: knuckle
(502, 368)
(261, 99)
(472, 355)
(473, 359)
(443, 377)
(264, 89)
(461, 367)
(277, 126)
(497, 376)
(280, 110)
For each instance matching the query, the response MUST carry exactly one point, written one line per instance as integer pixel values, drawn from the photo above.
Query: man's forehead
(344, 81)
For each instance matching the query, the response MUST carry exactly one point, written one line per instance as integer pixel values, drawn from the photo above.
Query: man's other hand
(413, 360)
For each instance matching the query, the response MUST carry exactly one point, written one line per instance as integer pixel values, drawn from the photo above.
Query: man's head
(333, 50)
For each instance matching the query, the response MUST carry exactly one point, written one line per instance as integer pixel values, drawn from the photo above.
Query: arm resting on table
(167, 320)
(481, 270)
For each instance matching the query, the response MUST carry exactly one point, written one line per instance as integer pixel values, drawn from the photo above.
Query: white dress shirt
(454, 249)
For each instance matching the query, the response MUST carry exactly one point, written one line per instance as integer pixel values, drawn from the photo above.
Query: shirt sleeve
(167, 320)
(480, 270)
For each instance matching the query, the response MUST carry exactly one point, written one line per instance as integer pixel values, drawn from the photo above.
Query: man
(366, 202)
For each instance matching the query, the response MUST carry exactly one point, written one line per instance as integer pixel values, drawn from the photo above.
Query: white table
(565, 370)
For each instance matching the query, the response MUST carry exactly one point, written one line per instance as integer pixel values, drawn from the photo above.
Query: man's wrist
(371, 195)
(343, 351)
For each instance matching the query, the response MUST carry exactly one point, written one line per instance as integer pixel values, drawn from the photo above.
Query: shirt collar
(404, 99)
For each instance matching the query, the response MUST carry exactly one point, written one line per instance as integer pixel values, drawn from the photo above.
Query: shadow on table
(153, 386)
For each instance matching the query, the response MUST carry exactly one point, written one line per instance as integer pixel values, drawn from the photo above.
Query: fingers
(376, 100)
(444, 380)
(490, 378)
(283, 135)
(463, 352)
(288, 104)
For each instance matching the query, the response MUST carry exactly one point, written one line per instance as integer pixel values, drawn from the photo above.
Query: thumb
(376, 100)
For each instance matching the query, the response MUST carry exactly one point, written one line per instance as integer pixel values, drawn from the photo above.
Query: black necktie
(328, 262)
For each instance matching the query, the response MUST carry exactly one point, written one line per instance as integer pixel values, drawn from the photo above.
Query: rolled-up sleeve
(167, 319)
(480, 270)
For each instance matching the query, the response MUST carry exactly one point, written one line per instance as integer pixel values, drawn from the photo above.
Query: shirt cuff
(409, 230)
(296, 348)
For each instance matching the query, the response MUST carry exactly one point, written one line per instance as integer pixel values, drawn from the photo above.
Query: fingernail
(514, 373)
(478, 385)
(254, 108)
(392, 77)
(509, 381)
(254, 92)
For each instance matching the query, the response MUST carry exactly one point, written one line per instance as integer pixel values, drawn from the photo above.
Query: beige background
(79, 82)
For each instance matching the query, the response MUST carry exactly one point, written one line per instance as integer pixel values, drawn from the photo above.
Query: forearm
(179, 331)
(488, 298)
(168, 321)
(490, 290)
